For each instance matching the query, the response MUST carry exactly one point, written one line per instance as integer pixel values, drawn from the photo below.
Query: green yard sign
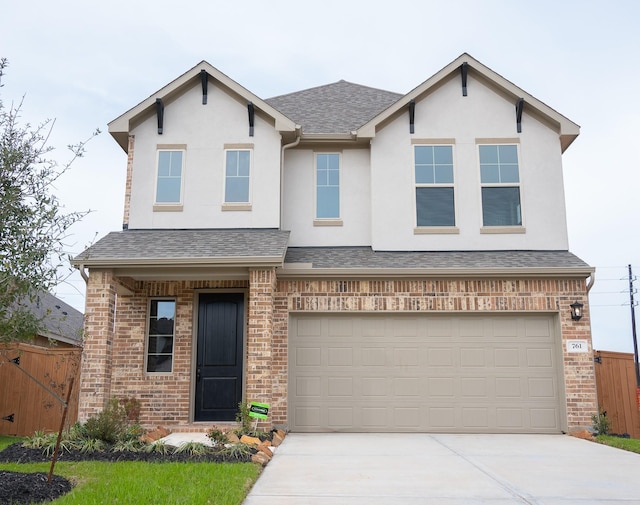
(259, 410)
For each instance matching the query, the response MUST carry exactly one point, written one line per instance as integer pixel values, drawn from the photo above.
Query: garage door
(417, 373)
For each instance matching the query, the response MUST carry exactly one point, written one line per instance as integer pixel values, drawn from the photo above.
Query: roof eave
(305, 271)
(228, 261)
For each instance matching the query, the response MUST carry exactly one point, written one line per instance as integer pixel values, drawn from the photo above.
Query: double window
(327, 186)
(161, 335)
(500, 180)
(435, 205)
(169, 180)
(237, 176)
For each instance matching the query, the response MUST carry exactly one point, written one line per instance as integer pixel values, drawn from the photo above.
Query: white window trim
(146, 337)
(434, 230)
(330, 221)
(241, 206)
(170, 206)
(503, 229)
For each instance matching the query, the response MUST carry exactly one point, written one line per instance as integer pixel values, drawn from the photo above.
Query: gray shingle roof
(340, 107)
(172, 245)
(366, 258)
(60, 321)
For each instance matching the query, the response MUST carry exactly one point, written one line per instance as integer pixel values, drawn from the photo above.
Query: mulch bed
(26, 488)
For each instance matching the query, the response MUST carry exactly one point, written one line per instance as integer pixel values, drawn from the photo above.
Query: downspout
(284, 147)
(83, 274)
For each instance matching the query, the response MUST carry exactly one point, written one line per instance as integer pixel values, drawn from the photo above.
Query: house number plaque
(577, 346)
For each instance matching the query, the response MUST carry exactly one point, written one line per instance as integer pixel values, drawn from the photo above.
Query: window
(328, 186)
(500, 179)
(169, 184)
(161, 335)
(434, 185)
(237, 172)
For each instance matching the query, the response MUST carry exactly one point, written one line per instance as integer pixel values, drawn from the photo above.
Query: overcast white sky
(85, 63)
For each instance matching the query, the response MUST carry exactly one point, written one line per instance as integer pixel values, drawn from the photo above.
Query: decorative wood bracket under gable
(412, 116)
(251, 112)
(463, 74)
(160, 114)
(204, 79)
(519, 107)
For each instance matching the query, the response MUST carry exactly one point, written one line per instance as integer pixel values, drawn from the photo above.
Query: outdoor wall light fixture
(576, 311)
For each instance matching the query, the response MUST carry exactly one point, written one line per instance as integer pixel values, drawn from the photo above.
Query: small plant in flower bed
(115, 435)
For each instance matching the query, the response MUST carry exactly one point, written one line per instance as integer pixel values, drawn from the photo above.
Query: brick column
(95, 379)
(262, 286)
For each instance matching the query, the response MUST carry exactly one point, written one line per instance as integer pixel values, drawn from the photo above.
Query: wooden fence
(616, 383)
(25, 404)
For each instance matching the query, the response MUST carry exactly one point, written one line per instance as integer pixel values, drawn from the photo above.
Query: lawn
(148, 483)
(628, 444)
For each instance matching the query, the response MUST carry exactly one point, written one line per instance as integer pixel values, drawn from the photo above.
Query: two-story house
(358, 259)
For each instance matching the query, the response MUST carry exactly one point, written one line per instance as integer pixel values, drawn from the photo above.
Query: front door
(219, 360)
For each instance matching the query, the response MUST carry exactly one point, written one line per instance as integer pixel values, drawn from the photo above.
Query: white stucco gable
(566, 129)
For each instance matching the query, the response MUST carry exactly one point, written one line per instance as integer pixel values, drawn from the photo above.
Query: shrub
(218, 437)
(110, 424)
(132, 409)
(601, 423)
(243, 418)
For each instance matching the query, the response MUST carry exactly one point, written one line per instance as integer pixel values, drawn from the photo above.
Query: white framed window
(500, 182)
(434, 193)
(169, 176)
(237, 180)
(327, 185)
(160, 335)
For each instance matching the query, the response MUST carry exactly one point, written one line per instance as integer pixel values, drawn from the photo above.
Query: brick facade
(113, 363)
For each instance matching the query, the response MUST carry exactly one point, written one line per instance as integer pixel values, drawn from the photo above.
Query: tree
(33, 224)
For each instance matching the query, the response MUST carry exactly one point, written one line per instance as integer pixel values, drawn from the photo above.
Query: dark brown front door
(219, 361)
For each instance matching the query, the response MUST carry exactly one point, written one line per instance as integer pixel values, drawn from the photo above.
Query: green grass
(6, 440)
(150, 483)
(628, 444)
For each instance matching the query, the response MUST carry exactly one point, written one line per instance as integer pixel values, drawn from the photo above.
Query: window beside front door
(500, 180)
(433, 171)
(327, 186)
(237, 176)
(161, 335)
(169, 177)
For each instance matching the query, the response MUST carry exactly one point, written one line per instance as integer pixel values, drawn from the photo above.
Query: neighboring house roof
(341, 107)
(187, 248)
(122, 125)
(361, 261)
(59, 320)
(567, 129)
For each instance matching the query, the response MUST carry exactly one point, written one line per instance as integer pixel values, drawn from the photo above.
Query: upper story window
(434, 185)
(500, 179)
(237, 175)
(327, 186)
(160, 337)
(169, 181)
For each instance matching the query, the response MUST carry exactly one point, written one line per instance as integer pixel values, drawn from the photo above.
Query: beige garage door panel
(424, 373)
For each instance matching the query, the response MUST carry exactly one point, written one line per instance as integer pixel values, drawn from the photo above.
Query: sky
(85, 63)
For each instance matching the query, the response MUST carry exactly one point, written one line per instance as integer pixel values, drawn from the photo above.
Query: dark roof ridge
(340, 81)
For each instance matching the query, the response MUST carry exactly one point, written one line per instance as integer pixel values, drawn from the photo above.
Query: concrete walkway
(377, 469)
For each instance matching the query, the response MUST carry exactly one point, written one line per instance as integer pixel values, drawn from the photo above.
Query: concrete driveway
(376, 469)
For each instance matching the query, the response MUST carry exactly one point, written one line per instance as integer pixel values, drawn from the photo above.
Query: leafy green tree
(33, 224)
